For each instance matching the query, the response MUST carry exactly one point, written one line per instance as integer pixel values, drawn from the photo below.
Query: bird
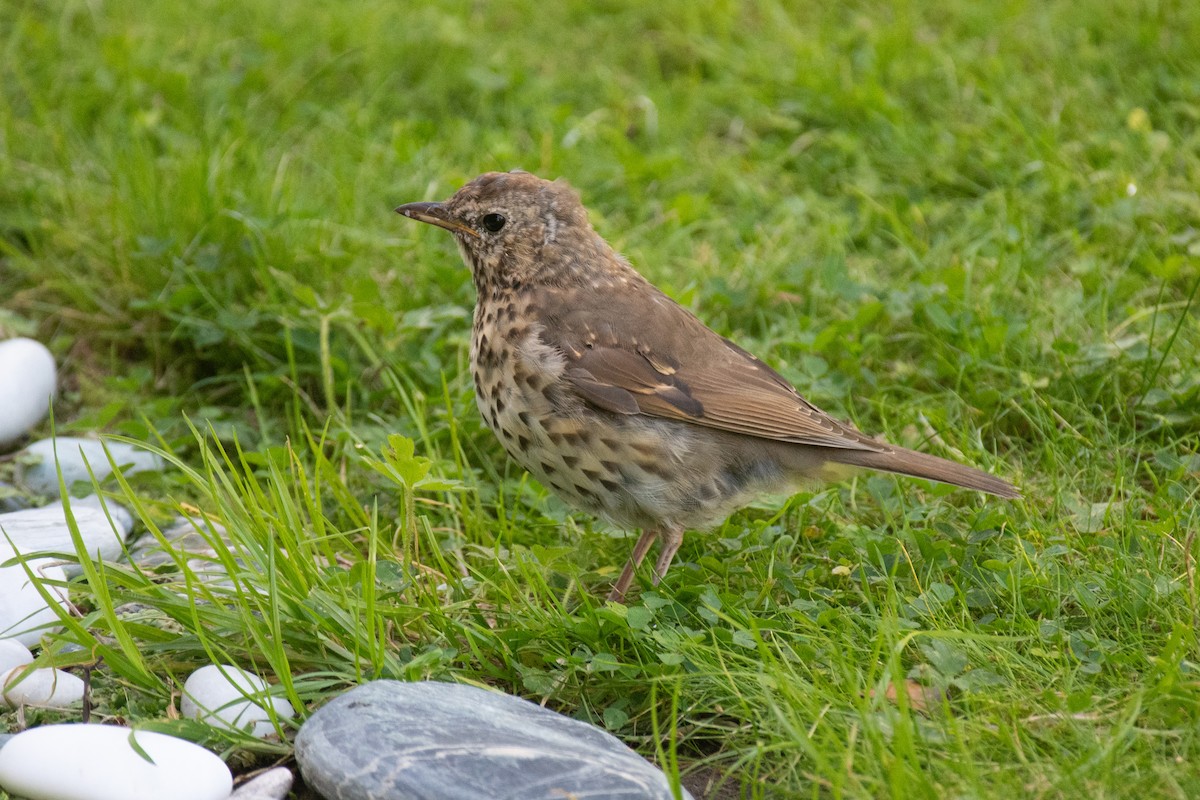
(619, 399)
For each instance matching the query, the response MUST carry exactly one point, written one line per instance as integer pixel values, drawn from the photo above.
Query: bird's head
(514, 229)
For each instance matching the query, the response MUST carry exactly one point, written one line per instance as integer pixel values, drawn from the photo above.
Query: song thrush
(618, 398)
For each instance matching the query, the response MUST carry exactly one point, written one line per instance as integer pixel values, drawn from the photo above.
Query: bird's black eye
(493, 222)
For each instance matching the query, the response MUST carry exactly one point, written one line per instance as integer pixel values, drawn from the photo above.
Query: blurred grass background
(972, 227)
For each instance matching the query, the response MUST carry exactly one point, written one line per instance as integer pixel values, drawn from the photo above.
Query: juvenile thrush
(618, 398)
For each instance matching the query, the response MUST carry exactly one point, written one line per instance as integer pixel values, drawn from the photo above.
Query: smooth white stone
(274, 784)
(120, 515)
(42, 687)
(24, 615)
(217, 694)
(97, 762)
(44, 530)
(27, 382)
(75, 455)
(182, 536)
(13, 654)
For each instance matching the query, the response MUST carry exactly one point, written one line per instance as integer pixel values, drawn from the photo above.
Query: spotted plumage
(621, 400)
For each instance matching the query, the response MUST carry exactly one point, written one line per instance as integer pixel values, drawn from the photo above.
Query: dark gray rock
(445, 741)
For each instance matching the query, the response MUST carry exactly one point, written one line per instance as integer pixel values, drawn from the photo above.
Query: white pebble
(24, 615)
(52, 688)
(120, 515)
(27, 381)
(75, 457)
(97, 762)
(217, 694)
(37, 530)
(274, 784)
(13, 654)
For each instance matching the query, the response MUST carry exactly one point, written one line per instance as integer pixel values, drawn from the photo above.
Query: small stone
(11, 498)
(182, 536)
(431, 739)
(45, 530)
(120, 515)
(27, 382)
(274, 784)
(51, 688)
(98, 762)
(228, 697)
(75, 455)
(193, 542)
(24, 615)
(13, 654)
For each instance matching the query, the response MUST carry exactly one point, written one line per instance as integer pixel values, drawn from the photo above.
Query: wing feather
(663, 362)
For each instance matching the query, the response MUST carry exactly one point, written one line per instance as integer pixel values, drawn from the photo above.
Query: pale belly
(635, 470)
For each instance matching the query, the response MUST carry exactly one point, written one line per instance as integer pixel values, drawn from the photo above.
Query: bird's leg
(667, 545)
(617, 595)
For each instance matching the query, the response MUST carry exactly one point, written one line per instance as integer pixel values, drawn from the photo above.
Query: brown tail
(920, 465)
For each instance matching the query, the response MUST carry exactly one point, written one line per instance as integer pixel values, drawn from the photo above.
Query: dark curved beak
(435, 214)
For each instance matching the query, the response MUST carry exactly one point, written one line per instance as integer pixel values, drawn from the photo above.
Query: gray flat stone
(438, 741)
(75, 455)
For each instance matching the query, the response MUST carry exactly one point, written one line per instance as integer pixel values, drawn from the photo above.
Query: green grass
(972, 227)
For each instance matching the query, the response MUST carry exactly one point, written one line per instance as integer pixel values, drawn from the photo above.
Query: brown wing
(642, 353)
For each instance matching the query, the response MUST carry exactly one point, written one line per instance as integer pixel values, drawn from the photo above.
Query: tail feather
(920, 465)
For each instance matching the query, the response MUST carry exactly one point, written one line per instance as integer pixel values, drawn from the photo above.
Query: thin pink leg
(617, 595)
(667, 546)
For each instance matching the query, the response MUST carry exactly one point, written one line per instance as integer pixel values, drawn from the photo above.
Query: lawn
(973, 228)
